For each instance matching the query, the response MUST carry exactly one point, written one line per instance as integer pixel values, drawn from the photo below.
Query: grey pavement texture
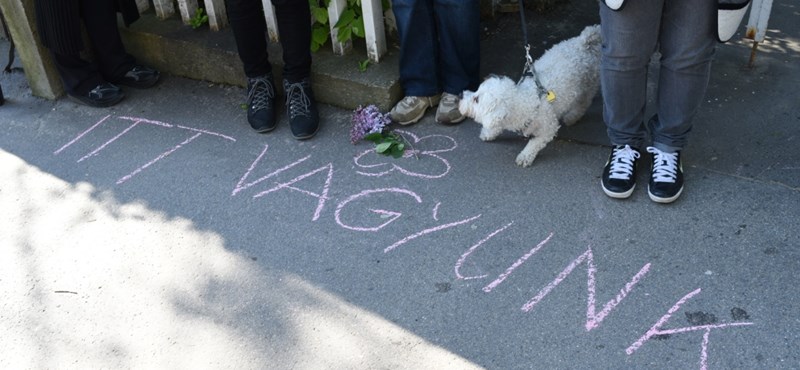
(164, 233)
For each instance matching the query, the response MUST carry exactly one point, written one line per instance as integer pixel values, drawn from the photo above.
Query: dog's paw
(525, 160)
(488, 135)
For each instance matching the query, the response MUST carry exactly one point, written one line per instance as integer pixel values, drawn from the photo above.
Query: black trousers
(111, 61)
(250, 30)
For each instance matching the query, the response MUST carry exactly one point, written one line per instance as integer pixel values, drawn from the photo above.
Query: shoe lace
(297, 100)
(665, 165)
(622, 161)
(449, 99)
(409, 102)
(261, 93)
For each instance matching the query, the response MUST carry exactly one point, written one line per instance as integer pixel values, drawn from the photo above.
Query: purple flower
(367, 120)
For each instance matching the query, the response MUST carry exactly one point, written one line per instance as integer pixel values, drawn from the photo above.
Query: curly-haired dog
(564, 82)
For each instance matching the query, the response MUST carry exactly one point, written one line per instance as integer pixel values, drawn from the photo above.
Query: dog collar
(547, 94)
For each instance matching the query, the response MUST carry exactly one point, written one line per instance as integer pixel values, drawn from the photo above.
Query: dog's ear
(491, 76)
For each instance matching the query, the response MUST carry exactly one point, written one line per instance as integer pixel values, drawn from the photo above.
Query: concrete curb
(201, 54)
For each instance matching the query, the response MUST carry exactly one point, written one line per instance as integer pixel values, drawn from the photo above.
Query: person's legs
(100, 19)
(293, 24)
(458, 25)
(77, 74)
(249, 30)
(629, 40)
(419, 59)
(419, 47)
(295, 31)
(459, 31)
(687, 45)
(83, 81)
(630, 36)
(115, 64)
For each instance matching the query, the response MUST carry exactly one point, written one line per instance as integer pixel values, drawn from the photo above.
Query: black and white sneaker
(666, 176)
(302, 109)
(619, 174)
(102, 95)
(139, 77)
(261, 112)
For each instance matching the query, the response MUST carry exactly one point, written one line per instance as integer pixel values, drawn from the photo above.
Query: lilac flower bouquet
(371, 125)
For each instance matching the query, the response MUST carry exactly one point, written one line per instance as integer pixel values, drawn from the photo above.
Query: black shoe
(619, 174)
(261, 103)
(103, 95)
(139, 77)
(666, 176)
(302, 109)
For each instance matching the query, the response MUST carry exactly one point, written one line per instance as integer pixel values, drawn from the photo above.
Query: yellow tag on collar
(551, 96)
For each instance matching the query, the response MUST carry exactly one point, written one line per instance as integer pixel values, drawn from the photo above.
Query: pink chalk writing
(428, 231)
(217, 134)
(392, 214)
(160, 157)
(412, 158)
(321, 197)
(81, 135)
(472, 249)
(239, 187)
(436, 211)
(704, 350)
(135, 122)
(656, 328)
(422, 159)
(516, 264)
(593, 320)
(113, 139)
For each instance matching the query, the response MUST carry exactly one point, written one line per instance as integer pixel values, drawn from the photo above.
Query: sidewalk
(164, 233)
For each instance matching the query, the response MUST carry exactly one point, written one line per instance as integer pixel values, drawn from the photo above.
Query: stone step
(201, 54)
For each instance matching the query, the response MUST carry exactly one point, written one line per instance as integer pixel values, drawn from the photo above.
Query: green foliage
(387, 143)
(199, 18)
(349, 25)
(362, 65)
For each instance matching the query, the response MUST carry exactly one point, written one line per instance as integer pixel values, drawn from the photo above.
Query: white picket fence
(375, 34)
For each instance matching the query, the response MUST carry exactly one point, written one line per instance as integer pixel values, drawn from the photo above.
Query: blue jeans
(439, 45)
(684, 32)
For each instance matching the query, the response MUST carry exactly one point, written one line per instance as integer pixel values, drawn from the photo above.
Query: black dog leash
(528, 70)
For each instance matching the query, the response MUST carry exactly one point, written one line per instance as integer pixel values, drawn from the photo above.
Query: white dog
(565, 81)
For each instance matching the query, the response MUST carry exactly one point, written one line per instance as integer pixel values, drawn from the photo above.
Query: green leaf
(397, 152)
(374, 137)
(320, 35)
(320, 15)
(346, 18)
(345, 35)
(383, 147)
(358, 28)
(362, 66)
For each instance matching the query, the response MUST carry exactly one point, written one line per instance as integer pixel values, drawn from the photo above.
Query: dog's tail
(591, 36)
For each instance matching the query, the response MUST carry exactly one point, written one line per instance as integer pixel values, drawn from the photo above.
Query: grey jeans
(684, 33)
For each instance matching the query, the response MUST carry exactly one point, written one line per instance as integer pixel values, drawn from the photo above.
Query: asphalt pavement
(165, 233)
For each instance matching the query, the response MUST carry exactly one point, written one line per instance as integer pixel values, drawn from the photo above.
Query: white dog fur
(570, 70)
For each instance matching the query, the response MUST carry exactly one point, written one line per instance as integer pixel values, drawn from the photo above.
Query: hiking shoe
(412, 108)
(139, 77)
(103, 95)
(619, 174)
(261, 112)
(448, 113)
(302, 109)
(666, 176)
